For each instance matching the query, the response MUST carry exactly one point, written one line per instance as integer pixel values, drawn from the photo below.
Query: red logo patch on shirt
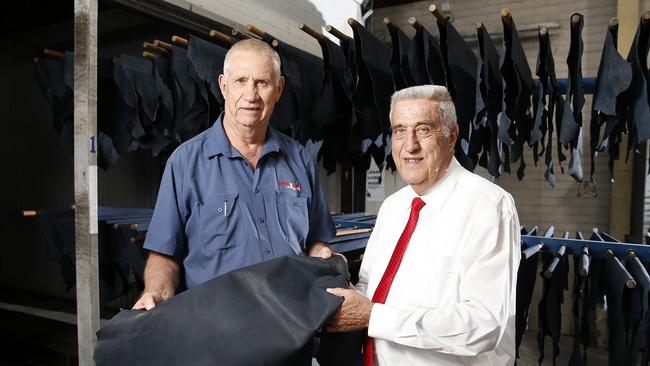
(295, 186)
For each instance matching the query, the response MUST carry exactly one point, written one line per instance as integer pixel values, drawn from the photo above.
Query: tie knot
(417, 204)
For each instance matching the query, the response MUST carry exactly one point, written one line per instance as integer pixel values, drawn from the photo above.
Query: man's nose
(250, 92)
(412, 143)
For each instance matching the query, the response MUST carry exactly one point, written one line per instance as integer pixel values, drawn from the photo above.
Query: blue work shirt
(215, 214)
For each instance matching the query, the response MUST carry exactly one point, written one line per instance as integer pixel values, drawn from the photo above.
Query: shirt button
(262, 220)
(268, 251)
(257, 190)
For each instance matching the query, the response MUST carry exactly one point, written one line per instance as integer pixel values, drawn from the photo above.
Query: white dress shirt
(452, 301)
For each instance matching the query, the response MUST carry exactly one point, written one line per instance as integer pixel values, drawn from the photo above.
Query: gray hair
(436, 93)
(257, 45)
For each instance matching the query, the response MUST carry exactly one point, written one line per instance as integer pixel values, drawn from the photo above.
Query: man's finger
(337, 291)
(146, 302)
(150, 305)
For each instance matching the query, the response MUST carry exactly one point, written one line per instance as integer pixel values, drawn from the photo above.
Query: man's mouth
(412, 160)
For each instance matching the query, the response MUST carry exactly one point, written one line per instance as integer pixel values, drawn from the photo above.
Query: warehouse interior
(42, 310)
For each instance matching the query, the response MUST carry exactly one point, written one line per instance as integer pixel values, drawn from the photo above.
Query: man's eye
(240, 81)
(399, 132)
(423, 131)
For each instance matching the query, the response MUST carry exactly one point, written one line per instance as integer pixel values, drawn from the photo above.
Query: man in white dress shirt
(437, 282)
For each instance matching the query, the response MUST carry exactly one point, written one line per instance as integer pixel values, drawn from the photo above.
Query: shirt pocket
(219, 218)
(293, 219)
(445, 284)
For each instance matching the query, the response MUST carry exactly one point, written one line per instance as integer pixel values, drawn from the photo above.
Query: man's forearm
(161, 275)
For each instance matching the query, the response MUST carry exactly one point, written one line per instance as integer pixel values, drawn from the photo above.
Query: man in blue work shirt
(237, 194)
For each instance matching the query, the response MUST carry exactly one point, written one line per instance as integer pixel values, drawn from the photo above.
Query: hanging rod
(596, 248)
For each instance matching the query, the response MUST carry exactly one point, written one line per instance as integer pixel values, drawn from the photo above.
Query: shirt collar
(436, 196)
(218, 143)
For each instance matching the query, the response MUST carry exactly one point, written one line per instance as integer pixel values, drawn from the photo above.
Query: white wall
(279, 17)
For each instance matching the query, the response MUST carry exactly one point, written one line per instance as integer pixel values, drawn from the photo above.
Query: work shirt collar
(217, 142)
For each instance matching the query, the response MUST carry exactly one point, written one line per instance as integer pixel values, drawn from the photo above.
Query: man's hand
(160, 279)
(148, 301)
(323, 251)
(353, 314)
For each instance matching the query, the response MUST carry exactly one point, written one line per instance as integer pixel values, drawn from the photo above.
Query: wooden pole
(506, 16)
(414, 23)
(241, 35)
(255, 30)
(388, 23)
(312, 32)
(440, 17)
(575, 19)
(353, 23)
(151, 48)
(148, 55)
(337, 33)
(220, 37)
(161, 44)
(180, 41)
(53, 53)
(85, 177)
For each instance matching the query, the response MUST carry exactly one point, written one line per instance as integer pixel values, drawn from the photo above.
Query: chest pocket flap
(218, 217)
(293, 217)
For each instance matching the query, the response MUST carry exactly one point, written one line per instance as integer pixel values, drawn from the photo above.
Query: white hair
(435, 93)
(257, 45)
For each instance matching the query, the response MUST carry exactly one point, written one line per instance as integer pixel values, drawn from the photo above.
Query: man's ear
(222, 83)
(453, 136)
(280, 87)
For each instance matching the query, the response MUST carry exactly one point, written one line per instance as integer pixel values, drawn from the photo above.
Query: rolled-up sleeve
(166, 233)
(486, 306)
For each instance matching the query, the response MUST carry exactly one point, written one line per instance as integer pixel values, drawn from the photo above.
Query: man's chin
(250, 122)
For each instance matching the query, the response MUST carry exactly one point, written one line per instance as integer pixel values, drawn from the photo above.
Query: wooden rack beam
(180, 41)
(220, 37)
(440, 17)
(506, 16)
(148, 55)
(53, 53)
(312, 32)
(337, 33)
(256, 31)
(165, 45)
(413, 22)
(155, 49)
(239, 34)
(353, 23)
(388, 23)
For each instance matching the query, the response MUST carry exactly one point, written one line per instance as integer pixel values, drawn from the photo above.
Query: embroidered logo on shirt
(295, 186)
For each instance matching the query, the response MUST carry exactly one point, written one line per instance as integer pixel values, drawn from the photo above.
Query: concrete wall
(537, 203)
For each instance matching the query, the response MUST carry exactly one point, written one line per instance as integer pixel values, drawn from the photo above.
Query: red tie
(381, 293)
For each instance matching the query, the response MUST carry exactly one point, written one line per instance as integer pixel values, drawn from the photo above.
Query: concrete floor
(528, 352)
